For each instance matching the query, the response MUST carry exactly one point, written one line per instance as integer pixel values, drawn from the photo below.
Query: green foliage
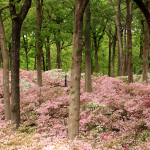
(57, 25)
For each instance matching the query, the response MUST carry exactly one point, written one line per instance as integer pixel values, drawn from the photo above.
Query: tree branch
(12, 8)
(24, 9)
(83, 6)
(144, 9)
(3, 8)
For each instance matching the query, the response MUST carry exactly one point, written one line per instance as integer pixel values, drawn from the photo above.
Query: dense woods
(54, 21)
(97, 38)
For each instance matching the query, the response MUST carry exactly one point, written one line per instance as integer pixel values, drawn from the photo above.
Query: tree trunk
(48, 55)
(129, 42)
(39, 4)
(59, 55)
(15, 51)
(113, 55)
(35, 63)
(26, 50)
(146, 49)
(0, 58)
(73, 128)
(118, 24)
(109, 61)
(141, 46)
(96, 55)
(43, 61)
(9, 46)
(125, 49)
(5, 71)
(88, 86)
(15, 91)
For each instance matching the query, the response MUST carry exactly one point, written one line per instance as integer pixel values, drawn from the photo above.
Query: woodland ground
(114, 116)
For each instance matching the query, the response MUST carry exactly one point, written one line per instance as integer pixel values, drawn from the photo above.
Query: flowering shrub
(114, 116)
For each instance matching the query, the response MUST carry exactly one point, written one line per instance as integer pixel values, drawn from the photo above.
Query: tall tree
(17, 20)
(120, 45)
(97, 36)
(25, 43)
(88, 86)
(5, 69)
(48, 55)
(39, 45)
(146, 47)
(110, 43)
(129, 41)
(113, 54)
(73, 128)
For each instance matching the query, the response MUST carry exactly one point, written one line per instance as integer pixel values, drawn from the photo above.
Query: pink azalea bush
(114, 116)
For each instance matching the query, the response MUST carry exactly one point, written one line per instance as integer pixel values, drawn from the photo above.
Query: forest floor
(115, 116)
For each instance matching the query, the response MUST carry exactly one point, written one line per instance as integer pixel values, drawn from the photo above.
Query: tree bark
(17, 20)
(141, 46)
(48, 55)
(146, 48)
(96, 55)
(88, 86)
(120, 46)
(109, 61)
(129, 42)
(43, 59)
(0, 59)
(35, 63)
(125, 49)
(58, 46)
(113, 55)
(9, 49)
(5, 71)
(26, 50)
(59, 55)
(39, 4)
(73, 128)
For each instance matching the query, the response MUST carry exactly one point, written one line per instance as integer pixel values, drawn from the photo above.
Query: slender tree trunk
(27, 61)
(118, 24)
(9, 46)
(146, 47)
(73, 128)
(113, 55)
(125, 49)
(59, 55)
(48, 56)
(141, 45)
(43, 61)
(26, 50)
(5, 71)
(129, 42)
(142, 39)
(39, 4)
(109, 61)
(96, 55)
(0, 58)
(146, 52)
(88, 86)
(35, 63)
